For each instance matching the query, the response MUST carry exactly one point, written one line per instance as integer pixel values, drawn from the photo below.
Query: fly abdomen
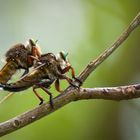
(12, 88)
(7, 71)
(24, 83)
(18, 86)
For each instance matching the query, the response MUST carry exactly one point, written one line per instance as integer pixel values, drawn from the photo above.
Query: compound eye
(33, 42)
(63, 55)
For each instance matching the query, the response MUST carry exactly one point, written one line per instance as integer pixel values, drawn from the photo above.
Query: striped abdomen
(25, 83)
(7, 71)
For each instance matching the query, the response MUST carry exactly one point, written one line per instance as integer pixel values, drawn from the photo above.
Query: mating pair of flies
(47, 69)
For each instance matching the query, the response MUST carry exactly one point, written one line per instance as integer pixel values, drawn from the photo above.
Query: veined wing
(34, 69)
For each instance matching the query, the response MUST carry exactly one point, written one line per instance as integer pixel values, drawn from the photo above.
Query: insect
(19, 56)
(48, 69)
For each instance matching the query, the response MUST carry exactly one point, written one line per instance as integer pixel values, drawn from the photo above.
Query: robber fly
(19, 56)
(48, 69)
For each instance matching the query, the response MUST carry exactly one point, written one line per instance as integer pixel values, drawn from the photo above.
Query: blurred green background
(84, 28)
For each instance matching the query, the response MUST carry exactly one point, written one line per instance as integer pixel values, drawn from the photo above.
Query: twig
(112, 93)
(72, 94)
(93, 64)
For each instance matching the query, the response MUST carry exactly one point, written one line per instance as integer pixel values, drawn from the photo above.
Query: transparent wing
(34, 69)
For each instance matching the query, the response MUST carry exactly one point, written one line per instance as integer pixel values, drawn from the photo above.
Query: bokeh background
(84, 28)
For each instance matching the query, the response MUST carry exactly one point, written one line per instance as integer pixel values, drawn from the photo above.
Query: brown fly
(18, 57)
(48, 69)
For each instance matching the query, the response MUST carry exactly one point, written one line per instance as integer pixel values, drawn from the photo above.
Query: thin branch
(93, 64)
(72, 94)
(110, 93)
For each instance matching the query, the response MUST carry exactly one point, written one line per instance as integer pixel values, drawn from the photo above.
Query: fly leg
(31, 59)
(50, 94)
(57, 85)
(36, 52)
(73, 76)
(69, 67)
(44, 85)
(62, 76)
(38, 96)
